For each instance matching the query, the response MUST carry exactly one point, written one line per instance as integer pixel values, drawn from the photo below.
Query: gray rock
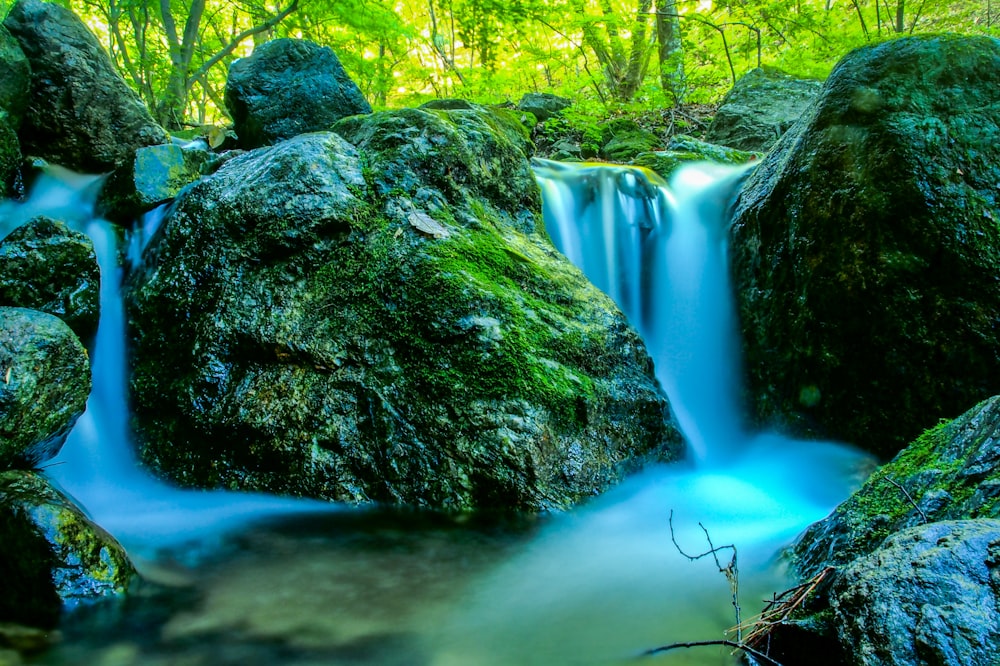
(760, 108)
(53, 557)
(543, 105)
(44, 265)
(288, 87)
(864, 248)
(685, 150)
(81, 114)
(400, 333)
(153, 177)
(44, 384)
(929, 595)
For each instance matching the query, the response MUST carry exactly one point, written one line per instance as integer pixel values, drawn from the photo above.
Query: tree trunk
(670, 51)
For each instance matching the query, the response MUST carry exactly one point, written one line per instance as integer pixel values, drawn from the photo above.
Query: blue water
(236, 578)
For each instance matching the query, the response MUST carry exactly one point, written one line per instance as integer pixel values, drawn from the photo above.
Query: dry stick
(760, 656)
(908, 496)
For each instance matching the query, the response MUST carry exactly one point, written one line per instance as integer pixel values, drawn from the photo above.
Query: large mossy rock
(52, 556)
(760, 108)
(81, 114)
(44, 384)
(385, 322)
(914, 555)
(866, 247)
(45, 265)
(289, 87)
(14, 84)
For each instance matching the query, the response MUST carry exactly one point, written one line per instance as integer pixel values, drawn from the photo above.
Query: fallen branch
(760, 656)
(908, 496)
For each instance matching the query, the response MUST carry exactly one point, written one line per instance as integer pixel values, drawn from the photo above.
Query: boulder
(909, 560)
(16, 80)
(153, 177)
(53, 556)
(930, 594)
(80, 113)
(384, 321)
(543, 105)
(760, 108)
(287, 87)
(10, 159)
(44, 384)
(44, 265)
(864, 248)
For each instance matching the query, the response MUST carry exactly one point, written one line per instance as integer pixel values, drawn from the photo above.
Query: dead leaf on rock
(426, 224)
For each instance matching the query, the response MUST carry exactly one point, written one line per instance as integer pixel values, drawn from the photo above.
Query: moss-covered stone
(623, 140)
(760, 108)
(154, 177)
(865, 247)
(16, 80)
(10, 159)
(44, 265)
(44, 384)
(684, 150)
(385, 323)
(53, 556)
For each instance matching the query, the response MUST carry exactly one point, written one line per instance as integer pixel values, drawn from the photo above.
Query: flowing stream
(249, 579)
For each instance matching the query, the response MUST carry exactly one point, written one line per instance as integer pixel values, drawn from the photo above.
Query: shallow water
(234, 578)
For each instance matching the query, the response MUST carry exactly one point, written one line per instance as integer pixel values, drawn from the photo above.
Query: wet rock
(10, 159)
(44, 265)
(685, 150)
(44, 384)
(760, 108)
(865, 247)
(16, 80)
(543, 105)
(288, 87)
(153, 177)
(81, 114)
(53, 557)
(324, 339)
(929, 595)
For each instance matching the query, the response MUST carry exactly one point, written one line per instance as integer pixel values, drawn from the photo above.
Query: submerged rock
(865, 247)
(289, 87)
(81, 114)
(383, 322)
(52, 557)
(44, 265)
(44, 384)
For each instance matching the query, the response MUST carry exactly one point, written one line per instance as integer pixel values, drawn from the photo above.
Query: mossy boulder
(866, 247)
(914, 556)
(45, 265)
(287, 87)
(684, 149)
(10, 159)
(53, 557)
(44, 384)
(80, 112)
(623, 139)
(543, 105)
(760, 108)
(16, 79)
(385, 322)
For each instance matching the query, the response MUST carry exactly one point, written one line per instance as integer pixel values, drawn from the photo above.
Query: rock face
(759, 109)
(44, 265)
(916, 553)
(52, 556)
(865, 247)
(81, 114)
(288, 87)
(44, 384)
(384, 322)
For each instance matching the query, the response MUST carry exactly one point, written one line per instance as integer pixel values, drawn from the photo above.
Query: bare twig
(908, 497)
(756, 654)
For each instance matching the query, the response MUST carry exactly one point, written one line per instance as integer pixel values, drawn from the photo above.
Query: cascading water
(596, 586)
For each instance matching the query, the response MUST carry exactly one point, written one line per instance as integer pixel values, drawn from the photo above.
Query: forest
(609, 56)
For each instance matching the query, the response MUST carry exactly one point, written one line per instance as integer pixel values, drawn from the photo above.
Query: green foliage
(597, 52)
